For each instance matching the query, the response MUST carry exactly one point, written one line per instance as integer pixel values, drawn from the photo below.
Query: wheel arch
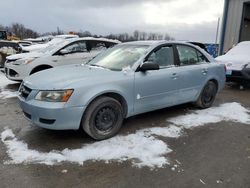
(113, 94)
(214, 81)
(205, 82)
(40, 68)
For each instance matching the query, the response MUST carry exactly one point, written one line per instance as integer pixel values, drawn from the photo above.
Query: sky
(182, 19)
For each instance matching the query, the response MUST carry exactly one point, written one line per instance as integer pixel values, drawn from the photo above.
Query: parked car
(65, 52)
(237, 61)
(201, 45)
(128, 79)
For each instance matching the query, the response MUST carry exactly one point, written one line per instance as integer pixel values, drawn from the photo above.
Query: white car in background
(237, 61)
(67, 52)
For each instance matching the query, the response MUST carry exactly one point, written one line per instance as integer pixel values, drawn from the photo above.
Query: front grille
(25, 91)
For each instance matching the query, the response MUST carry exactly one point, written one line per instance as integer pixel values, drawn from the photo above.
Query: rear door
(193, 70)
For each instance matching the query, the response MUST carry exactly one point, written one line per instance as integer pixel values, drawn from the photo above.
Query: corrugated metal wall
(233, 24)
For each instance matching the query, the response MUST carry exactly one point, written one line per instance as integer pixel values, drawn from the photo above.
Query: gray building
(235, 24)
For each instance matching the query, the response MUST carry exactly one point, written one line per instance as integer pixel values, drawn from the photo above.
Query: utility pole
(217, 30)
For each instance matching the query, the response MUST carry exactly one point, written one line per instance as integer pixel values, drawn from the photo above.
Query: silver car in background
(128, 79)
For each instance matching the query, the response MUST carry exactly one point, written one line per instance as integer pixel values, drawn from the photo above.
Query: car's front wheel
(103, 118)
(207, 95)
(2, 59)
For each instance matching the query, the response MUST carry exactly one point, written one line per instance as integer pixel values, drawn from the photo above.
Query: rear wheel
(207, 95)
(103, 118)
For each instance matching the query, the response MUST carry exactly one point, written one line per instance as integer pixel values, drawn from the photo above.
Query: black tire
(103, 118)
(207, 95)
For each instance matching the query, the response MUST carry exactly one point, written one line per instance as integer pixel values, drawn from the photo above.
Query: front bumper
(56, 116)
(239, 75)
(16, 72)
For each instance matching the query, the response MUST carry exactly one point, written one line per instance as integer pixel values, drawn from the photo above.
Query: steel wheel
(103, 118)
(207, 95)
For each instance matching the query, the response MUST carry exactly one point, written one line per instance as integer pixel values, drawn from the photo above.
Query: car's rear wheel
(103, 118)
(207, 95)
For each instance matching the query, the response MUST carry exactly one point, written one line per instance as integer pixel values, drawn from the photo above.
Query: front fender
(84, 96)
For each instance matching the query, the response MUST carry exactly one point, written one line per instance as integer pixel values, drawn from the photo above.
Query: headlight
(54, 96)
(23, 62)
(27, 61)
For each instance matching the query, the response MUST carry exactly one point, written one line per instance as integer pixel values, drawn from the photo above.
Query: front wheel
(207, 95)
(103, 118)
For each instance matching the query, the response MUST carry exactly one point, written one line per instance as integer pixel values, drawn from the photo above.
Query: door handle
(204, 71)
(174, 76)
(54, 60)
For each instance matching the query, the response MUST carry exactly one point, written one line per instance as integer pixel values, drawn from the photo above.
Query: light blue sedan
(128, 79)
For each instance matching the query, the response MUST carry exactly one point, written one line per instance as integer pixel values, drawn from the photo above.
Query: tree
(21, 31)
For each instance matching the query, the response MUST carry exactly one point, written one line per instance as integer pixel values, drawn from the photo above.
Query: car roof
(146, 42)
(93, 38)
(154, 43)
(158, 42)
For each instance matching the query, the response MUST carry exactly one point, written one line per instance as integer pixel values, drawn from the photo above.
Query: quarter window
(164, 56)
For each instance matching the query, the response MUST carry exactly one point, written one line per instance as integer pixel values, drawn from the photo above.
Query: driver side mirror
(149, 65)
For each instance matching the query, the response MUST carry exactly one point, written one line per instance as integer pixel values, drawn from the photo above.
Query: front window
(164, 56)
(76, 47)
(52, 46)
(119, 57)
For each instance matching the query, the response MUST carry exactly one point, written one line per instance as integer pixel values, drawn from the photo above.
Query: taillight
(225, 68)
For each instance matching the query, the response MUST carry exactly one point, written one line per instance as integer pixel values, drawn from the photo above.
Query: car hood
(66, 77)
(24, 56)
(234, 62)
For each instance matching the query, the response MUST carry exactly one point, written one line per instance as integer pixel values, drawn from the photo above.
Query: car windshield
(52, 46)
(119, 57)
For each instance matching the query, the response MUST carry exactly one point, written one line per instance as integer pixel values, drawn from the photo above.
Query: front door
(74, 53)
(157, 88)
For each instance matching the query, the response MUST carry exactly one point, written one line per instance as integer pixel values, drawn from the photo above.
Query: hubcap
(105, 119)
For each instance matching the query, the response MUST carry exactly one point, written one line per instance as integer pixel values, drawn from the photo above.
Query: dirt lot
(215, 155)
